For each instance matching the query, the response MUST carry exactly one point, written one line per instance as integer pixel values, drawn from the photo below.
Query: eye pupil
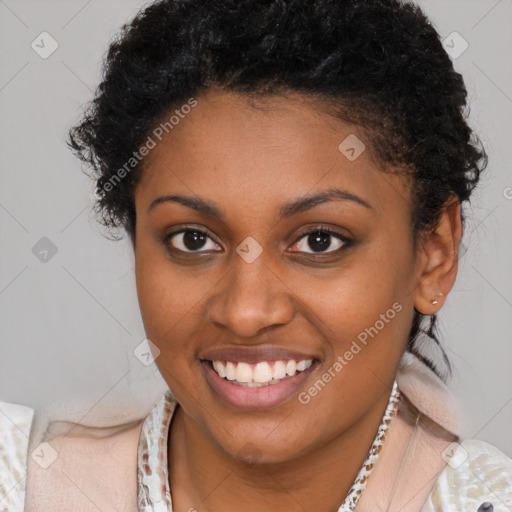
(320, 239)
(193, 239)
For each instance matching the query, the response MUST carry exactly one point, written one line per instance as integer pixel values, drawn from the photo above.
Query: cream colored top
(476, 473)
(15, 423)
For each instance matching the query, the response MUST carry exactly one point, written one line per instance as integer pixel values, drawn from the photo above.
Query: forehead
(233, 147)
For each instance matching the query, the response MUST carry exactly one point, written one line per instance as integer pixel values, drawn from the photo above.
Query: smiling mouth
(257, 375)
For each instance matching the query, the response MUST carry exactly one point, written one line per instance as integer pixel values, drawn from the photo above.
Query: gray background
(70, 324)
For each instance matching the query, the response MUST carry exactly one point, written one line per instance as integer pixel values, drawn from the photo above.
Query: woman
(291, 176)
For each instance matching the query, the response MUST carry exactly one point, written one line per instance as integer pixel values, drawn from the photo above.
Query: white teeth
(291, 366)
(254, 384)
(219, 368)
(260, 374)
(301, 365)
(279, 370)
(243, 372)
(230, 370)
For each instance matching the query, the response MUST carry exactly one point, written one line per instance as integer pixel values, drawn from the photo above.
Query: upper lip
(253, 354)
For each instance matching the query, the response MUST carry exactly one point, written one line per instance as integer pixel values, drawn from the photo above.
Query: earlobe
(438, 261)
(435, 301)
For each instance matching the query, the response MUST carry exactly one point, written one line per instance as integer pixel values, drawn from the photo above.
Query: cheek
(168, 300)
(356, 295)
(363, 311)
(364, 319)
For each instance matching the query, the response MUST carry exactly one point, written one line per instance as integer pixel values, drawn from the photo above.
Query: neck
(205, 478)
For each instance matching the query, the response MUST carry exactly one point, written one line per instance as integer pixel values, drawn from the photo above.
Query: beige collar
(96, 467)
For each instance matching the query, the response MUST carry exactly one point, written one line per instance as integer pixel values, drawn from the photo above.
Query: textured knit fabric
(15, 424)
(154, 494)
(476, 472)
(133, 454)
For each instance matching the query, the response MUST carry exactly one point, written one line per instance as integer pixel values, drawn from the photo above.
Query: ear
(438, 260)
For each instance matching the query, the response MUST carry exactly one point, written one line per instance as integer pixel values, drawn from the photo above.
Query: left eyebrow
(305, 203)
(286, 210)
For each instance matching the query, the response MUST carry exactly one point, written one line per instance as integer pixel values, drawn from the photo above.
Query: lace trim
(153, 479)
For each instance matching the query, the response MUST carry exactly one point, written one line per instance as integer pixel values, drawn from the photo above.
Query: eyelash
(347, 242)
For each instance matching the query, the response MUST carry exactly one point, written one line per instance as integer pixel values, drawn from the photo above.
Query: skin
(249, 161)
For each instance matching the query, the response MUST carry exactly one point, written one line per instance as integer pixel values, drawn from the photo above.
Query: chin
(267, 448)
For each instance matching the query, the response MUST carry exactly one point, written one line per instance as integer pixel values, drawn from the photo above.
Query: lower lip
(255, 398)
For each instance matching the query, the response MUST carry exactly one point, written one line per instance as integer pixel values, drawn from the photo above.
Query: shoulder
(83, 463)
(476, 472)
(15, 427)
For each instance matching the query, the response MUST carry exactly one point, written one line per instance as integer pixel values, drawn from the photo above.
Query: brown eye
(190, 240)
(321, 241)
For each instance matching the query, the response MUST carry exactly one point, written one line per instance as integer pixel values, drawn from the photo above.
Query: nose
(250, 299)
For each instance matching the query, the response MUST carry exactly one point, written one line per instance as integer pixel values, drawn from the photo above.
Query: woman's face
(241, 282)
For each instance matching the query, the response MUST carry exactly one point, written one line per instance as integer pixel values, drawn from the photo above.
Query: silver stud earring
(435, 301)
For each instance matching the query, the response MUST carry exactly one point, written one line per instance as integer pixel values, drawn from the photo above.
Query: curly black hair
(377, 63)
